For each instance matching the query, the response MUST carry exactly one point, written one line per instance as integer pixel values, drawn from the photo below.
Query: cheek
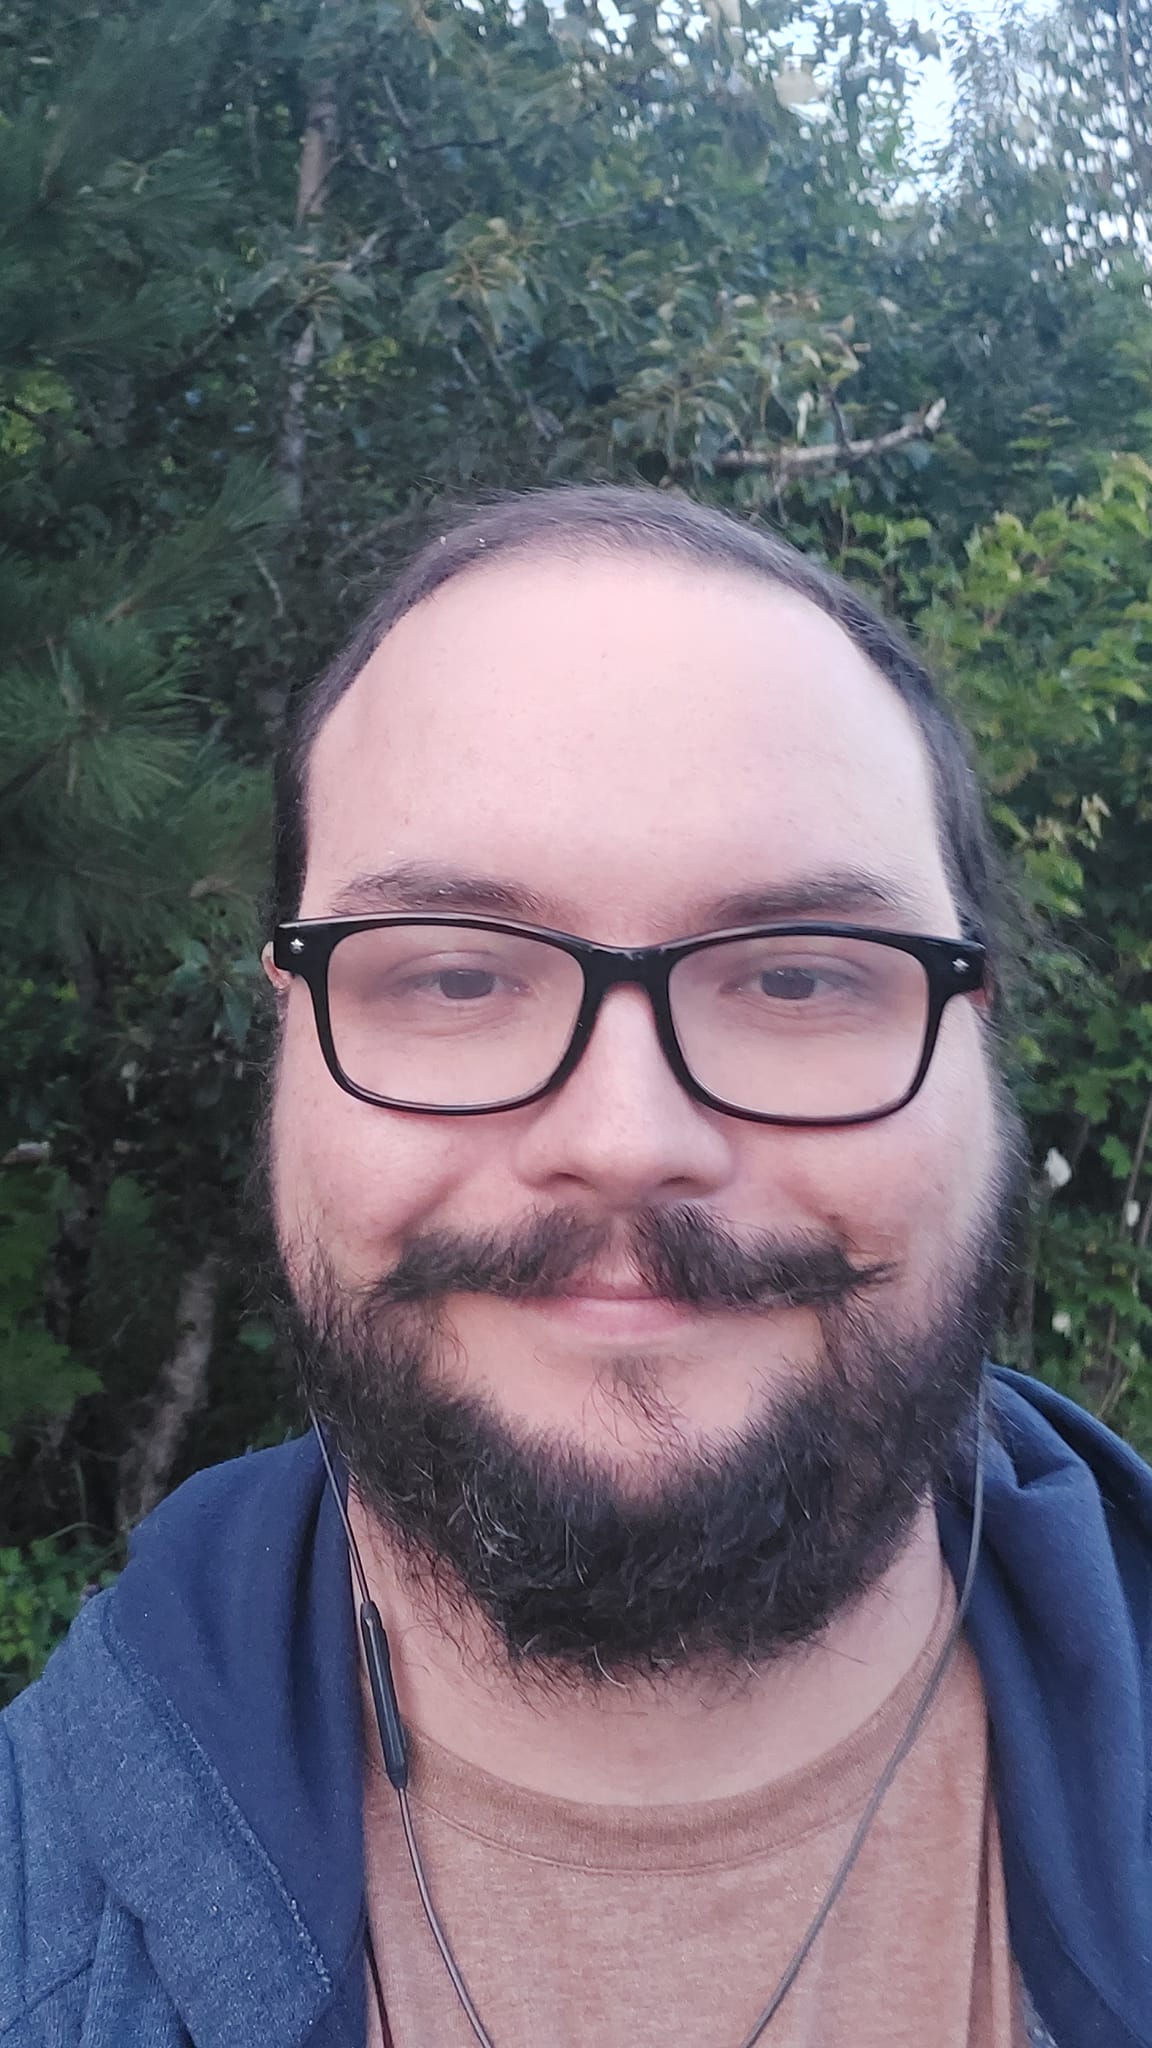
(909, 1188)
(348, 1177)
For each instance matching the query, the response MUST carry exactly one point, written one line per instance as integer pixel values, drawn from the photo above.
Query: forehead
(623, 739)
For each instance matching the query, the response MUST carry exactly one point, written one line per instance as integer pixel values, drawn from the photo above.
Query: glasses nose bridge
(607, 968)
(610, 967)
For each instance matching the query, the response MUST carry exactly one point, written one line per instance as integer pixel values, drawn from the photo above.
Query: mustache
(680, 1253)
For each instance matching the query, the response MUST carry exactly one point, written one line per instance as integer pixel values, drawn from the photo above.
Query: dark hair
(581, 520)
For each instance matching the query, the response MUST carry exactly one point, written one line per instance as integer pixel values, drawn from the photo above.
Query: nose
(621, 1130)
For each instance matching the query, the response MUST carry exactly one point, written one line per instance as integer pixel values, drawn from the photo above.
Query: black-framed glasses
(779, 1024)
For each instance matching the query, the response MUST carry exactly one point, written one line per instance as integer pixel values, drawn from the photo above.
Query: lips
(603, 1287)
(611, 1307)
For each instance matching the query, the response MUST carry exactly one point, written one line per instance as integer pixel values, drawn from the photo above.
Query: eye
(802, 981)
(790, 984)
(462, 984)
(457, 986)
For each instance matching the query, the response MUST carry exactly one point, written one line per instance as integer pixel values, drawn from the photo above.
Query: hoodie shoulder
(237, 1504)
(236, 1607)
(1065, 1481)
(51, 1896)
(1061, 1622)
(189, 1764)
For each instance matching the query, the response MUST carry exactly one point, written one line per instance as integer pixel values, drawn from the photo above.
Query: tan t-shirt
(670, 1927)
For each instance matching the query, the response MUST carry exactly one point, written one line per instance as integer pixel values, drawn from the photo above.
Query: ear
(280, 981)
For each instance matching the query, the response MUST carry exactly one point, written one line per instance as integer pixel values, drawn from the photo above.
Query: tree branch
(146, 1464)
(545, 425)
(400, 114)
(394, 175)
(28, 1152)
(270, 580)
(1140, 1149)
(1134, 138)
(459, 142)
(293, 423)
(787, 463)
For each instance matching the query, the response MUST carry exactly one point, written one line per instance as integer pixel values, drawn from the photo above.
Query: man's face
(632, 751)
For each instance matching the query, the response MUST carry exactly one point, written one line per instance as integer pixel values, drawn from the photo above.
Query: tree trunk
(147, 1463)
(317, 148)
(294, 426)
(316, 151)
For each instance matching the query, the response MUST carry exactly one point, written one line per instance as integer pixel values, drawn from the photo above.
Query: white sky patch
(931, 92)
(930, 87)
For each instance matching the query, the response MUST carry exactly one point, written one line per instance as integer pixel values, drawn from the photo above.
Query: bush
(41, 1589)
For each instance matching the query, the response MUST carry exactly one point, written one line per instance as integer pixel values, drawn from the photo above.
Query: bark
(317, 149)
(294, 425)
(316, 153)
(181, 1384)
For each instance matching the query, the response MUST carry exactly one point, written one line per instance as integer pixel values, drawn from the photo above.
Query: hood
(233, 1627)
(1061, 1622)
(206, 1714)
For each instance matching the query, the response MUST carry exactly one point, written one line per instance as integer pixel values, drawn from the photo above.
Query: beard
(734, 1552)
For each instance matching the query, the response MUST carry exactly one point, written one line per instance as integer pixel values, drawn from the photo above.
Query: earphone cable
(433, 1919)
(919, 1715)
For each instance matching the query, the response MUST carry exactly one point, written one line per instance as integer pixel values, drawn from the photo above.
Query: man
(644, 1188)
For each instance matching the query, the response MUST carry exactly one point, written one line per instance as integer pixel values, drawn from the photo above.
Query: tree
(274, 285)
(131, 839)
(1046, 629)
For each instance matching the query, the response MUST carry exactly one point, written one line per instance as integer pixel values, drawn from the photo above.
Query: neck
(689, 1737)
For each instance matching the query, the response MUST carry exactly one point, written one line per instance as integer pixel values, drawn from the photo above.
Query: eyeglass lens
(789, 1026)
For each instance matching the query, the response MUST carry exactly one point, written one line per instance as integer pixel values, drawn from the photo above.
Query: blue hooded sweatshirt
(180, 1794)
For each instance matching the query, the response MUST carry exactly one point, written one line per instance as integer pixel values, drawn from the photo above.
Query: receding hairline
(581, 522)
(579, 550)
(578, 544)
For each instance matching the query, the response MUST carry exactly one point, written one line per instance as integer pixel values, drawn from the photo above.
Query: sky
(931, 97)
(931, 93)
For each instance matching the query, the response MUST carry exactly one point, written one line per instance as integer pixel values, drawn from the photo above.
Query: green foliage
(274, 282)
(1046, 629)
(38, 1375)
(41, 1589)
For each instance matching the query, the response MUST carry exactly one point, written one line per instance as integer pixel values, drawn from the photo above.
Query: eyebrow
(837, 892)
(425, 885)
(419, 885)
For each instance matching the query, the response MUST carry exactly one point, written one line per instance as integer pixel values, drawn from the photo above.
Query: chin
(636, 1421)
